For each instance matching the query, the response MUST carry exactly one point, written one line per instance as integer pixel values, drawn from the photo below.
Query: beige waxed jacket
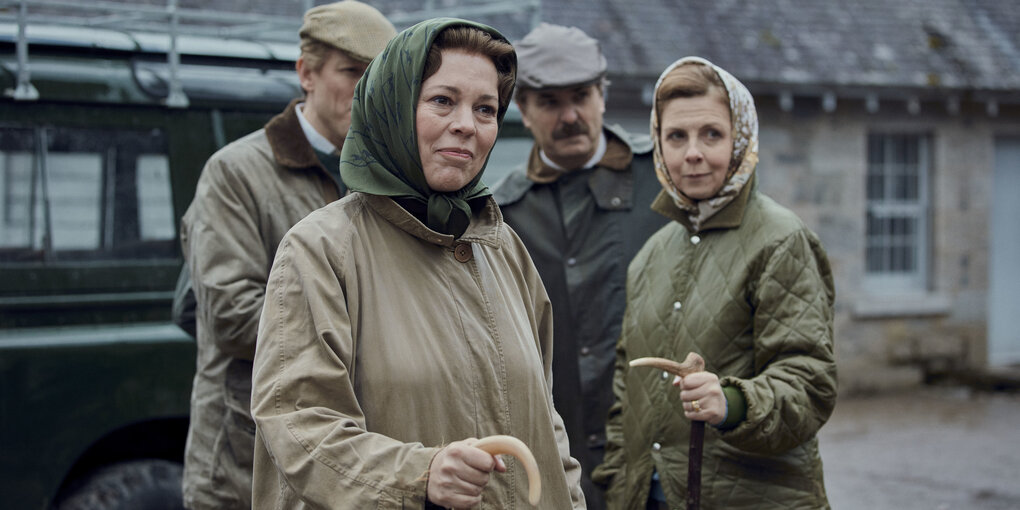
(250, 193)
(382, 340)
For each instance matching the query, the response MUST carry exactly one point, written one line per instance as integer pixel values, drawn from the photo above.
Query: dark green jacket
(581, 231)
(752, 292)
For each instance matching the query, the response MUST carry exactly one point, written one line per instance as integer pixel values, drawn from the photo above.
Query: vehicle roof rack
(173, 22)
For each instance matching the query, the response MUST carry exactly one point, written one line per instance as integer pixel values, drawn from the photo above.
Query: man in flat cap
(581, 206)
(249, 194)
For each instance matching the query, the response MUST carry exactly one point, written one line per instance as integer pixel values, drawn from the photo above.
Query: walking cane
(693, 363)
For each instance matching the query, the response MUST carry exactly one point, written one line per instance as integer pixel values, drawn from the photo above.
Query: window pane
(108, 194)
(874, 259)
(903, 260)
(905, 183)
(16, 200)
(910, 229)
(910, 184)
(897, 149)
(876, 185)
(155, 209)
(75, 185)
(876, 150)
(900, 184)
(910, 155)
(876, 160)
(895, 206)
(885, 230)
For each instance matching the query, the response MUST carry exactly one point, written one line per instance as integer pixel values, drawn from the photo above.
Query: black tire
(136, 485)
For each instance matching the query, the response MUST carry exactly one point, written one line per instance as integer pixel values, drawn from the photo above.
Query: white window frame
(914, 279)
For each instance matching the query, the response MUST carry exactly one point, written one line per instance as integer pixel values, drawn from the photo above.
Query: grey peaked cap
(554, 56)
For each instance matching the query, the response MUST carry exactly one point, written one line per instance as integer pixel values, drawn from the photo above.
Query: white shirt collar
(319, 142)
(595, 158)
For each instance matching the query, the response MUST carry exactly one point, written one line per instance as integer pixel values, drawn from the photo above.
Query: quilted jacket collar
(727, 217)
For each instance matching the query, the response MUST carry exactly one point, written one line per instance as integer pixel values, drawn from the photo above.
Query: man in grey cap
(249, 195)
(581, 206)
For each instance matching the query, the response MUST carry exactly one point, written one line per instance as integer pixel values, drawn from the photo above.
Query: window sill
(880, 306)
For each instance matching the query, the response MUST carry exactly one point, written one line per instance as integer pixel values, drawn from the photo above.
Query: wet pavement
(931, 448)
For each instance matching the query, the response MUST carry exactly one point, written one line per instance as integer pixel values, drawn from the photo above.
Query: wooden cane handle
(693, 363)
(499, 445)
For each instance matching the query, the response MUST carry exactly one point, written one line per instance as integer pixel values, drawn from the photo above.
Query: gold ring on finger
(696, 405)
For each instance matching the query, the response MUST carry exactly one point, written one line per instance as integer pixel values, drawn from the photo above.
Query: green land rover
(103, 134)
(96, 169)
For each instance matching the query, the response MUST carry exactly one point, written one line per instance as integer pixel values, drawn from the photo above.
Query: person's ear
(304, 72)
(521, 105)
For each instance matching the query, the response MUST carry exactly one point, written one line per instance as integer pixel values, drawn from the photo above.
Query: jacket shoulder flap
(512, 188)
(639, 144)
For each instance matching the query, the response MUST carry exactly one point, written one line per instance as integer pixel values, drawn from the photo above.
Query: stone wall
(815, 163)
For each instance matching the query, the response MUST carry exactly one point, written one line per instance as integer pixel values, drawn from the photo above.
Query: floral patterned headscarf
(744, 119)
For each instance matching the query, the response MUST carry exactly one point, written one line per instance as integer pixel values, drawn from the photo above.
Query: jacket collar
(606, 185)
(483, 229)
(290, 146)
(618, 156)
(729, 216)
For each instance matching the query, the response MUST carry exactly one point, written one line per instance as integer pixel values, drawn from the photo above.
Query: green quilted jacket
(752, 292)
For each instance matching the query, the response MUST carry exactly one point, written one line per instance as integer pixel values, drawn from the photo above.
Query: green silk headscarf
(380, 155)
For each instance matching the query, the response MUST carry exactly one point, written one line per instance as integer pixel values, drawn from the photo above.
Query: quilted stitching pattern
(756, 302)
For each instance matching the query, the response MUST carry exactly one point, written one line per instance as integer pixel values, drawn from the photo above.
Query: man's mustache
(569, 130)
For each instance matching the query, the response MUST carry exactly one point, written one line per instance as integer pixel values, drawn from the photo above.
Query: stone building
(891, 127)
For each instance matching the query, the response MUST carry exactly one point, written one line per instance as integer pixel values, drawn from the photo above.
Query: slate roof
(935, 45)
(940, 46)
(954, 44)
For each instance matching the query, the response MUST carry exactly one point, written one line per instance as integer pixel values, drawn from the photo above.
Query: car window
(84, 194)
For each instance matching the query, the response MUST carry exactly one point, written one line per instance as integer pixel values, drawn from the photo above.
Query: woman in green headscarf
(407, 319)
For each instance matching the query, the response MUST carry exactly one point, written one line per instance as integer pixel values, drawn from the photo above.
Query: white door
(1004, 258)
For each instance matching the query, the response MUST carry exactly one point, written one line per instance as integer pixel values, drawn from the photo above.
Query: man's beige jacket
(250, 193)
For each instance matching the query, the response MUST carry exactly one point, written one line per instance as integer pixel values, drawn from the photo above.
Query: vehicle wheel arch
(155, 439)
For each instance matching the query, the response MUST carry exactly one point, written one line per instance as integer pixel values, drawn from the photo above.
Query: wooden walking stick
(693, 363)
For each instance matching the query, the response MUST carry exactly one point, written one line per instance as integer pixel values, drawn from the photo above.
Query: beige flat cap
(355, 28)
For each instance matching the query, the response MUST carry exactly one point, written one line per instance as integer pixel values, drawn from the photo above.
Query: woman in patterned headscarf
(407, 319)
(740, 280)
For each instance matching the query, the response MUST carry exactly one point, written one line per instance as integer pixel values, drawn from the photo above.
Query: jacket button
(665, 374)
(695, 239)
(656, 446)
(462, 252)
(615, 201)
(677, 306)
(585, 350)
(571, 262)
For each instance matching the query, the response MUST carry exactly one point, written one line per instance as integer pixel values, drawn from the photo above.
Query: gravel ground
(932, 448)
